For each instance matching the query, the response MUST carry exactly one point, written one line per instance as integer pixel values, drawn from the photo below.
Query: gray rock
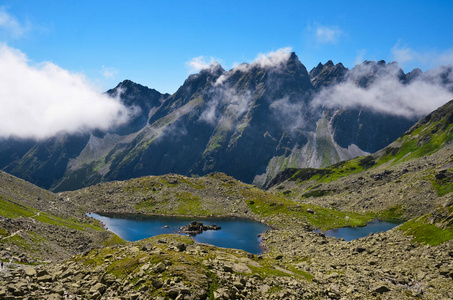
(29, 271)
(380, 289)
(159, 268)
(181, 247)
(98, 287)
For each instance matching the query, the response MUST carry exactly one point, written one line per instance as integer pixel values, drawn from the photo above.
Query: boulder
(29, 271)
(381, 288)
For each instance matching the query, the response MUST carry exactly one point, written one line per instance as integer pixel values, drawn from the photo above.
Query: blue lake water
(236, 233)
(352, 233)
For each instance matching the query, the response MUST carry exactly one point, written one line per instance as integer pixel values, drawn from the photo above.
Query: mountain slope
(250, 122)
(36, 224)
(412, 176)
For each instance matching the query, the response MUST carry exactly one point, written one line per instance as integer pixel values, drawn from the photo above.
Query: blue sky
(153, 42)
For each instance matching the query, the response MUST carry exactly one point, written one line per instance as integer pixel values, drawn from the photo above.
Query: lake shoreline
(137, 217)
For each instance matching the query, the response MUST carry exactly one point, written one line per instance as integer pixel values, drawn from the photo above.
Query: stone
(160, 267)
(147, 247)
(181, 247)
(29, 271)
(45, 278)
(134, 249)
(157, 283)
(98, 287)
(173, 293)
(380, 289)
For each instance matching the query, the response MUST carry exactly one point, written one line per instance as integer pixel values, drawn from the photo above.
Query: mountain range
(250, 122)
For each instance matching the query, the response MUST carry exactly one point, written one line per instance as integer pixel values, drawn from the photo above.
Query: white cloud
(10, 25)
(269, 60)
(201, 62)
(290, 114)
(109, 72)
(327, 34)
(42, 100)
(428, 58)
(273, 59)
(386, 94)
(225, 103)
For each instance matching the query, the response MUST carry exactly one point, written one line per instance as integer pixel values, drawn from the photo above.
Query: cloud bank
(42, 100)
(387, 93)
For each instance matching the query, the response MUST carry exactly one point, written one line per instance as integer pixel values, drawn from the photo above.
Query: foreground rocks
(300, 265)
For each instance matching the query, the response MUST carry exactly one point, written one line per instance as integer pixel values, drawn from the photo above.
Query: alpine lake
(237, 233)
(352, 233)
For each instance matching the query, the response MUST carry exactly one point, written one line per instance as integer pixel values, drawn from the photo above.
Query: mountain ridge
(249, 122)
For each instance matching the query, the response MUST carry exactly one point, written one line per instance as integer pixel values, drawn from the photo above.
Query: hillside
(38, 225)
(298, 263)
(412, 177)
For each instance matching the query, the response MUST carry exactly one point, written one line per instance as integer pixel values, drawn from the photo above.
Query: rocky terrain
(35, 225)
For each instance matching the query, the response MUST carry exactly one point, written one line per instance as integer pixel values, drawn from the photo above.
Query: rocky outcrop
(196, 227)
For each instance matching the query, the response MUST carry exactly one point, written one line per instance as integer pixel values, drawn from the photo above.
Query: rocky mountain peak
(366, 73)
(327, 74)
(415, 73)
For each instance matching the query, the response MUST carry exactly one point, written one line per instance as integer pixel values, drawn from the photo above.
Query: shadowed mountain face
(250, 122)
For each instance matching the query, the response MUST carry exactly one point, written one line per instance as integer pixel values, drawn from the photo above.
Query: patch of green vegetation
(114, 240)
(394, 212)
(124, 267)
(66, 222)
(423, 141)
(185, 204)
(19, 241)
(367, 162)
(274, 289)
(3, 232)
(216, 141)
(189, 204)
(266, 205)
(10, 209)
(301, 273)
(213, 285)
(426, 233)
(443, 182)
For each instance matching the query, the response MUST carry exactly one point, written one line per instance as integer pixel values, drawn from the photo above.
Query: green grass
(54, 220)
(413, 147)
(444, 185)
(3, 232)
(186, 204)
(425, 233)
(114, 240)
(268, 205)
(394, 212)
(13, 210)
(189, 204)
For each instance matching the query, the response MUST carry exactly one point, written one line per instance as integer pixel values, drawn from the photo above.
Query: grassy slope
(29, 213)
(429, 136)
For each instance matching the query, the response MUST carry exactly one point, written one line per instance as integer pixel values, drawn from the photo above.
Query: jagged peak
(129, 84)
(329, 63)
